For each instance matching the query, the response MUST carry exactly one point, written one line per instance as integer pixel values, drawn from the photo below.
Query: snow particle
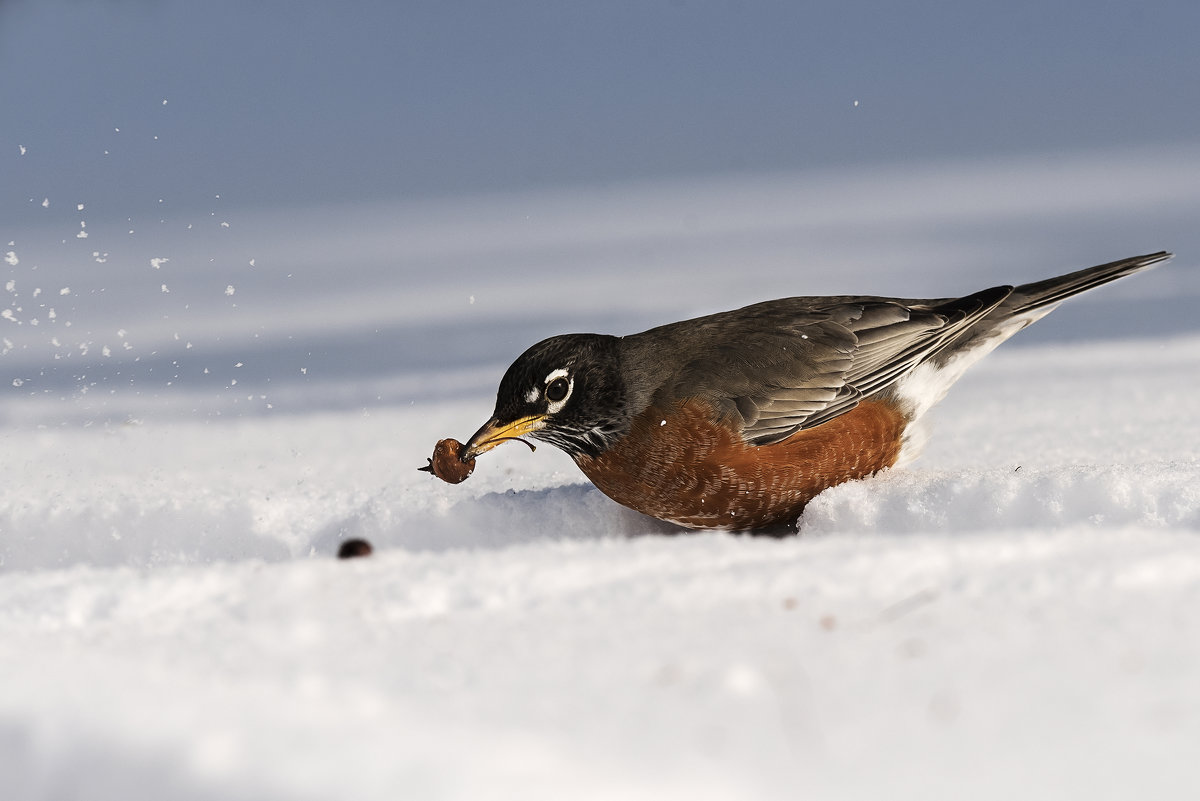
(158, 262)
(743, 680)
(11, 258)
(229, 290)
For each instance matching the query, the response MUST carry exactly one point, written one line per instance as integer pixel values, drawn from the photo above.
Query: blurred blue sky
(278, 103)
(275, 204)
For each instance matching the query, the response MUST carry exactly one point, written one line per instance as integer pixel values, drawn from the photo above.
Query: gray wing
(783, 366)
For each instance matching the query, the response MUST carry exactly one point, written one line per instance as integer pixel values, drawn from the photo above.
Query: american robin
(737, 420)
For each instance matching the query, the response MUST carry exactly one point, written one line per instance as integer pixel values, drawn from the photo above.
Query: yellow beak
(494, 432)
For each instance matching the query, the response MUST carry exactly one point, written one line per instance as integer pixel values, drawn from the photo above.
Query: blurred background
(254, 207)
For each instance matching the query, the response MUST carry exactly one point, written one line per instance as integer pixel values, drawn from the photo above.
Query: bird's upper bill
(494, 432)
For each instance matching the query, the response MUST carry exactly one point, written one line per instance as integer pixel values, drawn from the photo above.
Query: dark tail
(1029, 302)
(1029, 297)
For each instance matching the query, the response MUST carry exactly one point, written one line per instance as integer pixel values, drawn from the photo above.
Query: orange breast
(679, 465)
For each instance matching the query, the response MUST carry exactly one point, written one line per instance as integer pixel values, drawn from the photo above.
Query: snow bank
(1035, 664)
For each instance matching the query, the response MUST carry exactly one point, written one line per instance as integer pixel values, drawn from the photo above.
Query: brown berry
(352, 548)
(447, 463)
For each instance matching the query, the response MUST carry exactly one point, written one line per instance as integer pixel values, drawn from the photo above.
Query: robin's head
(566, 390)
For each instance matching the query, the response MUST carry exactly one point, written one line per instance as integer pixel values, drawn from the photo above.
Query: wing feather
(783, 366)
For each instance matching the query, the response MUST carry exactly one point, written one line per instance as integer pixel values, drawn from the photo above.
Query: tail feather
(1013, 309)
(1030, 297)
(1028, 303)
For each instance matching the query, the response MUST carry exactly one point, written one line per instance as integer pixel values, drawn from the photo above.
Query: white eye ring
(554, 406)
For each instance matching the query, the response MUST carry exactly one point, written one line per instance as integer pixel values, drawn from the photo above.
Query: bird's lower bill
(494, 433)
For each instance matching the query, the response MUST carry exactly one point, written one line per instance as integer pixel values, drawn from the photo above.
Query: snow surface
(1016, 614)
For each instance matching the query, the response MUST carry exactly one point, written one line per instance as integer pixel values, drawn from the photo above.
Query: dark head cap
(566, 390)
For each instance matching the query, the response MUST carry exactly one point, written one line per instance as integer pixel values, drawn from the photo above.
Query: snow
(1015, 614)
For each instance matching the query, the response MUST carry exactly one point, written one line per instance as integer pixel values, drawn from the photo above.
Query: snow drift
(194, 416)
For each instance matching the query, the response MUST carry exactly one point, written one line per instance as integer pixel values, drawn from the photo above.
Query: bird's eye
(557, 390)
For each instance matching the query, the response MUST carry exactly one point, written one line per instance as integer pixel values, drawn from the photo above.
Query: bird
(737, 420)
